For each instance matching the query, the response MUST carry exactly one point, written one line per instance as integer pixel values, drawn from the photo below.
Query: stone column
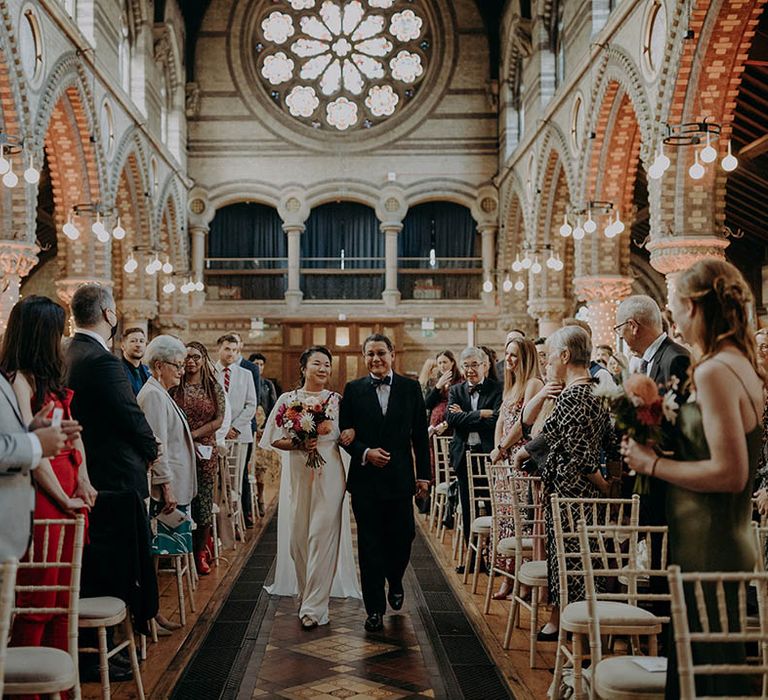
(602, 294)
(488, 241)
(391, 293)
(136, 313)
(548, 312)
(671, 255)
(198, 233)
(16, 261)
(66, 288)
(293, 294)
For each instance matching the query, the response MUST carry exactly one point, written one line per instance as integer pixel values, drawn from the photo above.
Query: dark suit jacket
(403, 433)
(119, 444)
(470, 421)
(256, 373)
(671, 360)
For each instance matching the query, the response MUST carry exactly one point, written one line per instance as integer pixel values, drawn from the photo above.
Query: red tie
(226, 379)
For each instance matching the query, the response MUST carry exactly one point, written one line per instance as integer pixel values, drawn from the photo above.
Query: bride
(314, 549)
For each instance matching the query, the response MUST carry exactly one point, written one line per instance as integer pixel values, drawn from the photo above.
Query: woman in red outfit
(31, 356)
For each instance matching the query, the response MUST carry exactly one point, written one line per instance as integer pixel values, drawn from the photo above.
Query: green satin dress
(710, 532)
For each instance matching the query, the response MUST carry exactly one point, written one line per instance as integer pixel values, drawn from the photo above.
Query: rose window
(342, 64)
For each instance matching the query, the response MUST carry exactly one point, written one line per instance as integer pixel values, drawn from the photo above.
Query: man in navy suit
(387, 413)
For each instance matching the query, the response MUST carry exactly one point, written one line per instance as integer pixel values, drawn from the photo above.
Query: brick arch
(171, 229)
(555, 142)
(704, 77)
(515, 230)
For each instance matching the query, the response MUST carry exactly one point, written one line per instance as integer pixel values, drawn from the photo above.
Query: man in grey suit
(21, 449)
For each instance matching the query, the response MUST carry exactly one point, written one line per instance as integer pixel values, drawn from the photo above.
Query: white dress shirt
(382, 393)
(94, 335)
(474, 398)
(651, 351)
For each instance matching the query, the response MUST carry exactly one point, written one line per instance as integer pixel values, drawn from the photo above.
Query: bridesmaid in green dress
(711, 476)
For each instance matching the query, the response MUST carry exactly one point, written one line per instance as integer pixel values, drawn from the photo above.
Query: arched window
(124, 53)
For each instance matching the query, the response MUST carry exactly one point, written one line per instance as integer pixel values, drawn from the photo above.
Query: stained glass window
(341, 65)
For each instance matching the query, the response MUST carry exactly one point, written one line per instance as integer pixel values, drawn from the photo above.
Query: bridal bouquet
(643, 412)
(305, 421)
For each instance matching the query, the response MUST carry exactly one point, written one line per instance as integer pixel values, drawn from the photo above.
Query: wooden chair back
(7, 584)
(567, 513)
(479, 488)
(440, 448)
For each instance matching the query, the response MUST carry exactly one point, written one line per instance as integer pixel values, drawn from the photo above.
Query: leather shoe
(547, 636)
(395, 600)
(374, 623)
(117, 674)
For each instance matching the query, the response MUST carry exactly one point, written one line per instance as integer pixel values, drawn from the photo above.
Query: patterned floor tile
(343, 687)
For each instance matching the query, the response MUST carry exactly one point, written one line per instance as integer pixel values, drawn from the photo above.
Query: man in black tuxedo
(387, 413)
(473, 408)
(119, 447)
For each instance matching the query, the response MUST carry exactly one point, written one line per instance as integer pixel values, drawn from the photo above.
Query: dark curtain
(452, 231)
(355, 228)
(251, 232)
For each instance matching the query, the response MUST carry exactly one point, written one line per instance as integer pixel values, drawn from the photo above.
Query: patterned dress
(201, 409)
(576, 432)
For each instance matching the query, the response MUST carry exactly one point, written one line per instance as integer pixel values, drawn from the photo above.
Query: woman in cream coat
(173, 474)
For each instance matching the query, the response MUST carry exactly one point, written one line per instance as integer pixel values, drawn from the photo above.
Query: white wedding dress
(314, 538)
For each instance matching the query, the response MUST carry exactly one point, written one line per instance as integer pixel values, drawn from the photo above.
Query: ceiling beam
(755, 148)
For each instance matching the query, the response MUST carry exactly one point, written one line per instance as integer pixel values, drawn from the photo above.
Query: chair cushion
(507, 546)
(533, 573)
(35, 667)
(482, 524)
(103, 606)
(442, 488)
(609, 612)
(617, 675)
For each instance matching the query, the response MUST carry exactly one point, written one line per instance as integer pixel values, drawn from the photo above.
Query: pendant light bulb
(31, 175)
(655, 172)
(10, 179)
(708, 153)
(5, 166)
(730, 162)
(618, 225)
(507, 285)
(696, 171)
(118, 233)
(70, 230)
(517, 266)
(565, 229)
(167, 267)
(519, 286)
(578, 232)
(432, 258)
(527, 262)
(199, 286)
(664, 162)
(536, 266)
(169, 287)
(589, 225)
(551, 262)
(488, 286)
(130, 265)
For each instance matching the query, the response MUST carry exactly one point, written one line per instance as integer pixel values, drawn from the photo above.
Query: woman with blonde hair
(711, 474)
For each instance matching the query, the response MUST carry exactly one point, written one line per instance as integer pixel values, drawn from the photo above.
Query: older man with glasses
(473, 407)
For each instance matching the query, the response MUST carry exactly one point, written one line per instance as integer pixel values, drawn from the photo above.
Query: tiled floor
(341, 660)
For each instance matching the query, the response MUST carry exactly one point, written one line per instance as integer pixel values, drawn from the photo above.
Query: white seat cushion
(618, 677)
(533, 573)
(101, 607)
(28, 668)
(611, 613)
(507, 546)
(442, 489)
(482, 525)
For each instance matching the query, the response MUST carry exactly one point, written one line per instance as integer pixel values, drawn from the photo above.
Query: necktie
(472, 388)
(644, 367)
(376, 382)
(226, 379)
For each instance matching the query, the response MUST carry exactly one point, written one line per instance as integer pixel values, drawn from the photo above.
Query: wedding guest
(521, 383)
(268, 395)
(514, 333)
(576, 432)
(318, 527)
(201, 399)
(492, 373)
(240, 388)
(603, 354)
(473, 409)
(387, 467)
(245, 490)
(436, 399)
(761, 480)
(618, 366)
(31, 356)
(596, 370)
(710, 475)
(132, 348)
(541, 353)
(428, 375)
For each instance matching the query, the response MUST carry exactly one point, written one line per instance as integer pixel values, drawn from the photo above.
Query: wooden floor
(524, 682)
(169, 656)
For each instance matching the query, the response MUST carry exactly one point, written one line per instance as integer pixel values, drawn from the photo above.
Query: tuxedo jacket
(402, 433)
(671, 360)
(119, 444)
(17, 497)
(469, 421)
(258, 385)
(242, 400)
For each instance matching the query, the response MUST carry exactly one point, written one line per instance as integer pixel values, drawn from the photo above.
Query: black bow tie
(472, 388)
(376, 382)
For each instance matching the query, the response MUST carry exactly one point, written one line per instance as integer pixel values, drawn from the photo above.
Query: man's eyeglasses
(179, 366)
(617, 329)
(474, 365)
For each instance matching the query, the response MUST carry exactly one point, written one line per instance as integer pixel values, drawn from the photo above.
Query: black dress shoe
(547, 636)
(374, 623)
(117, 674)
(395, 600)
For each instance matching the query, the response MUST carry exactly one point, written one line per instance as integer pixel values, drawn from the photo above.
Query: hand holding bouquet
(304, 422)
(640, 411)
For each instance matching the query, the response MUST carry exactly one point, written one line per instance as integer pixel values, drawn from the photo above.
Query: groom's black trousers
(385, 531)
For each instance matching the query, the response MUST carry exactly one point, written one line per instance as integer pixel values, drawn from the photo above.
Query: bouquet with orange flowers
(305, 421)
(644, 412)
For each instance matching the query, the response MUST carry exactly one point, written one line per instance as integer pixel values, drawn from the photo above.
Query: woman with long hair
(31, 356)
(521, 383)
(313, 520)
(711, 473)
(202, 399)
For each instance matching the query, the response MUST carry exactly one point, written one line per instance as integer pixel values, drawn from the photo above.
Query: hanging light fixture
(708, 153)
(70, 230)
(527, 262)
(551, 261)
(31, 175)
(169, 287)
(694, 134)
(565, 229)
(13, 146)
(131, 264)
(488, 285)
(696, 171)
(589, 225)
(519, 285)
(118, 233)
(199, 286)
(536, 265)
(10, 179)
(517, 266)
(507, 284)
(729, 162)
(4, 164)
(167, 267)
(578, 232)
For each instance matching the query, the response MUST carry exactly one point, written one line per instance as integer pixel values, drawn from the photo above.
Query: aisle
(256, 648)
